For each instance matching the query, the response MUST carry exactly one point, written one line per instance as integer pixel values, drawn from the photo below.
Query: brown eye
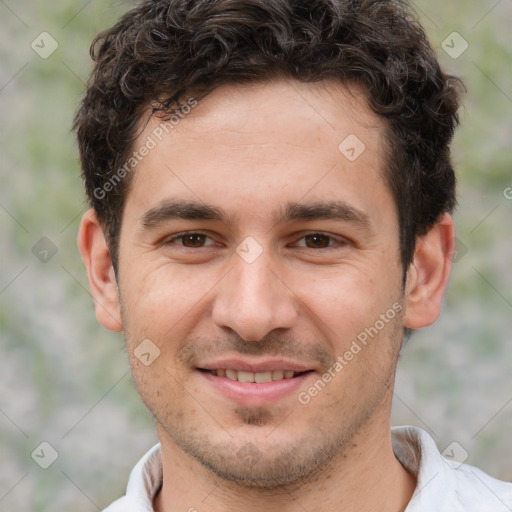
(190, 240)
(193, 240)
(317, 241)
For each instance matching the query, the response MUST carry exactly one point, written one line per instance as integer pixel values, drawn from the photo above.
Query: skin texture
(250, 152)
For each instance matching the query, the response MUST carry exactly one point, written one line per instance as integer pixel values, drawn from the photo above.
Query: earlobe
(100, 273)
(428, 274)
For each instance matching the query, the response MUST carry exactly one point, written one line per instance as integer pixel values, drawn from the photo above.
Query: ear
(428, 274)
(100, 273)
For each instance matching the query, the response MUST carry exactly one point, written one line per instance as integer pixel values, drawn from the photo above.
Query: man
(271, 188)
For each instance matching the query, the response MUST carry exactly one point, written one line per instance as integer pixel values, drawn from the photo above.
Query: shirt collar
(145, 480)
(442, 485)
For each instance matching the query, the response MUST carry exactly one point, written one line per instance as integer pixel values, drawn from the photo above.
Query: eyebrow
(330, 210)
(195, 210)
(187, 210)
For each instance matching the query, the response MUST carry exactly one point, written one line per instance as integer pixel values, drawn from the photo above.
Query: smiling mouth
(256, 377)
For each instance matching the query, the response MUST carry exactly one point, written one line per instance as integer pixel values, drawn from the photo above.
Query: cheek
(345, 301)
(162, 300)
(159, 386)
(364, 333)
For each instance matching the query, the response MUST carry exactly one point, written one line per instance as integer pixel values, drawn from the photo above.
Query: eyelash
(333, 240)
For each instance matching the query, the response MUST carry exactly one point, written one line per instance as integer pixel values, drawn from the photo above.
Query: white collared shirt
(442, 485)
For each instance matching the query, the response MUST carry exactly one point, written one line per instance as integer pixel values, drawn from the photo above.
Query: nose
(253, 300)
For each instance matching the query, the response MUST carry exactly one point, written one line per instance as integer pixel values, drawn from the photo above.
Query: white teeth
(232, 374)
(259, 377)
(263, 377)
(246, 376)
(277, 375)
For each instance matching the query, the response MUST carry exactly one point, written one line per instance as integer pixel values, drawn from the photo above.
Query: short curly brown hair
(163, 49)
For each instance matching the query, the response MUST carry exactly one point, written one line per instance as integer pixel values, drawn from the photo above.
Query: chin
(260, 472)
(258, 461)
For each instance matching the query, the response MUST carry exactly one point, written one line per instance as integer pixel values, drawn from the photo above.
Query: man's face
(253, 247)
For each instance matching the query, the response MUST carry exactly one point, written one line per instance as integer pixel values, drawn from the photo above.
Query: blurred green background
(65, 381)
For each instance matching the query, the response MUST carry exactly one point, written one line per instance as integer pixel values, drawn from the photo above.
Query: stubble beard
(283, 463)
(259, 462)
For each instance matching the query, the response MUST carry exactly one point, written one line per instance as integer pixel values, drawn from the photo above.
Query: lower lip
(256, 394)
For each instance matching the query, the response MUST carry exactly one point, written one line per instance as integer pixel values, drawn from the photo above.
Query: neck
(366, 477)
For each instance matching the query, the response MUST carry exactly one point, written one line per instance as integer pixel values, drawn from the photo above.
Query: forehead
(265, 144)
(257, 111)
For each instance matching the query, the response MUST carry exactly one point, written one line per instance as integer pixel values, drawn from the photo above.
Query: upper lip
(266, 365)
